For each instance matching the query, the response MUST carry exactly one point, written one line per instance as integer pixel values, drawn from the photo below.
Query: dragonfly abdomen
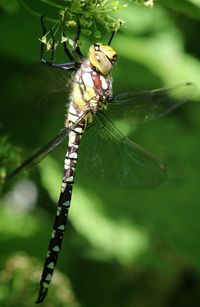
(62, 210)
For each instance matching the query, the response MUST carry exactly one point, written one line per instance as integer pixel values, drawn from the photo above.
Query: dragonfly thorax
(90, 92)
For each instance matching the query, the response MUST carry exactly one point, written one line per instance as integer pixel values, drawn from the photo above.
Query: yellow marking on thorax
(83, 95)
(89, 94)
(77, 96)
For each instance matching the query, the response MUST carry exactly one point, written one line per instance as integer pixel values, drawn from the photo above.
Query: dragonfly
(108, 154)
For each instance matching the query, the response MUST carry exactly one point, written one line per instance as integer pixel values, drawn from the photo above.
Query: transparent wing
(47, 87)
(139, 107)
(41, 153)
(107, 154)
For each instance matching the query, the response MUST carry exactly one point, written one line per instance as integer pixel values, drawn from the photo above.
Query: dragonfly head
(102, 57)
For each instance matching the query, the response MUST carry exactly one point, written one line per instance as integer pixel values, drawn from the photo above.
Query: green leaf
(195, 2)
(49, 9)
(187, 7)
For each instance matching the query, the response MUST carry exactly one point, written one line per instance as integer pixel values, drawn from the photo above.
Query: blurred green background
(123, 247)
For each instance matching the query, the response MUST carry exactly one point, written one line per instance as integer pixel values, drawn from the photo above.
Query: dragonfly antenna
(113, 33)
(111, 38)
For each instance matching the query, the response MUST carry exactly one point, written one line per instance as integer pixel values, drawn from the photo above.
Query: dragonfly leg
(66, 49)
(52, 46)
(76, 49)
(67, 66)
(43, 44)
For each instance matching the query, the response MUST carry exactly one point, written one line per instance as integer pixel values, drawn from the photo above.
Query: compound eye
(105, 67)
(101, 62)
